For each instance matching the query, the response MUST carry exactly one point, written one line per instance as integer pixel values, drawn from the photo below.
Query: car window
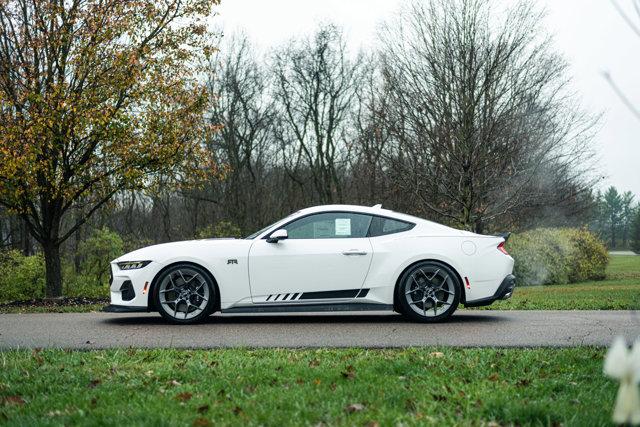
(331, 225)
(381, 226)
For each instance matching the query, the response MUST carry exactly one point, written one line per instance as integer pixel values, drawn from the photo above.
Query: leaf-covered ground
(306, 387)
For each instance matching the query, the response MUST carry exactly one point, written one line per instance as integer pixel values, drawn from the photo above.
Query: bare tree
(315, 86)
(243, 109)
(477, 106)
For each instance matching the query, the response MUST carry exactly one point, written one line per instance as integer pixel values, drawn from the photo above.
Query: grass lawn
(619, 291)
(306, 387)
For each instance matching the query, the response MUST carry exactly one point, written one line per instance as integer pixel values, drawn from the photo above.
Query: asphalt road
(466, 328)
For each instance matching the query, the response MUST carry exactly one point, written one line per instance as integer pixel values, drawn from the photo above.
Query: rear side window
(382, 226)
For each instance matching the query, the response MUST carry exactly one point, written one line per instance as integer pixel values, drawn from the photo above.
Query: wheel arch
(152, 301)
(463, 296)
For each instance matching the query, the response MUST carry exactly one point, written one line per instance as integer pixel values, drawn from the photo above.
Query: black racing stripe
(347, 293)
(363, 293)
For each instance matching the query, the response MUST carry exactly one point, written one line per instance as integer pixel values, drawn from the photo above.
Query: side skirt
(309, 308)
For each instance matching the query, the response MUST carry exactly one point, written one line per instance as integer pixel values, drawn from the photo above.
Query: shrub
(21, 277)
(557, 256)
(98, 251)
(92, 278)
(588, 258)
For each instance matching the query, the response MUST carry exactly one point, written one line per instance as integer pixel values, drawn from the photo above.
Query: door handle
(353, 252)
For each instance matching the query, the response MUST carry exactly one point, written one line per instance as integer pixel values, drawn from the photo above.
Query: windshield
(259, 232)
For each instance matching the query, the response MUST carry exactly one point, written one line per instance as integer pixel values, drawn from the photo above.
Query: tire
(428, 292)
(184, 294)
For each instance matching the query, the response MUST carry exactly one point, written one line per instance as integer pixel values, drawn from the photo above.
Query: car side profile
(324, 258)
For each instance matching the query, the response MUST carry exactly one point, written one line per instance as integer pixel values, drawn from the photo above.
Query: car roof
(377, 209)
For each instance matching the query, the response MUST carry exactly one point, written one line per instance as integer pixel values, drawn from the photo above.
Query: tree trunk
(53, 269)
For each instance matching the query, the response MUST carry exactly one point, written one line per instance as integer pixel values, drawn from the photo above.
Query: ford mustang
(325, 258)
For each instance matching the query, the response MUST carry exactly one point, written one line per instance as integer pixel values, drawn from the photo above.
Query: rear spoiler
(505, 236)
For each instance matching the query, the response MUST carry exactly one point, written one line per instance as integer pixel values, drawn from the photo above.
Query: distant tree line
(617, 219)
(460, 115)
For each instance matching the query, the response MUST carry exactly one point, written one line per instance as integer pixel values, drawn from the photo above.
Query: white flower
(624, 365)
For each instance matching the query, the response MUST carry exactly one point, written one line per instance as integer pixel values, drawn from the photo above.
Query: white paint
(322, 264)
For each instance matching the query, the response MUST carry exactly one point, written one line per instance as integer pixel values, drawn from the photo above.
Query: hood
(165, 251)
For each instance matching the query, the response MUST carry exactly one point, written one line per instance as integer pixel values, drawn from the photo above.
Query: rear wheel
(428, 292)
(184, 294)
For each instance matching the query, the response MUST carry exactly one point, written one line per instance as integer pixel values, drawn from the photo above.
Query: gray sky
(589, 33)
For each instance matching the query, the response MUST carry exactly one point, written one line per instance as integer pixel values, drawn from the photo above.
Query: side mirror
(278, 235)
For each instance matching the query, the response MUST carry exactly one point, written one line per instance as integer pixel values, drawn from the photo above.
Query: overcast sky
(590, 34)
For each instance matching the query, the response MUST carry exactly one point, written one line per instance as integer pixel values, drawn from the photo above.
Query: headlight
(132, 265)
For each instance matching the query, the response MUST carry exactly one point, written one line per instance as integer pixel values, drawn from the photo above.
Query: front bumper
(505, 291)
(130, 288)
(113, 308)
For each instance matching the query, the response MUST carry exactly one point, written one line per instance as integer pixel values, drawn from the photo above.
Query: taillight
(502, 249)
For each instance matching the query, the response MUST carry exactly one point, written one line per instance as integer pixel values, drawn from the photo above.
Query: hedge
(550, 256)
(21, 277)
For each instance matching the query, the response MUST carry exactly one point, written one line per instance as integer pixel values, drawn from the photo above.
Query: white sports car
(325, 258)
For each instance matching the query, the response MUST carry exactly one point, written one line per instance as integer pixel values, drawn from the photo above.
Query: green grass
(306, 387)
(619, 291)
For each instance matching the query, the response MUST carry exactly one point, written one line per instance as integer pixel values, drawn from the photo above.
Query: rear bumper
(505, 290)
(113, 308)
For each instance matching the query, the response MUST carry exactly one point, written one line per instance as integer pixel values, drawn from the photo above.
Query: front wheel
(428, 292)
(184, 294)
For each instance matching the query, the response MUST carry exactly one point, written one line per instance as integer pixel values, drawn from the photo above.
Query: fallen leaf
(201, 422)
(410, 405)
(494, 377)
(94, 383)
(183, 397)
(14, 400)
(436, 354)
(174, 383)
(317, 381)
(202, 409)
(349, 373)
(36, 355)
(354, 407)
